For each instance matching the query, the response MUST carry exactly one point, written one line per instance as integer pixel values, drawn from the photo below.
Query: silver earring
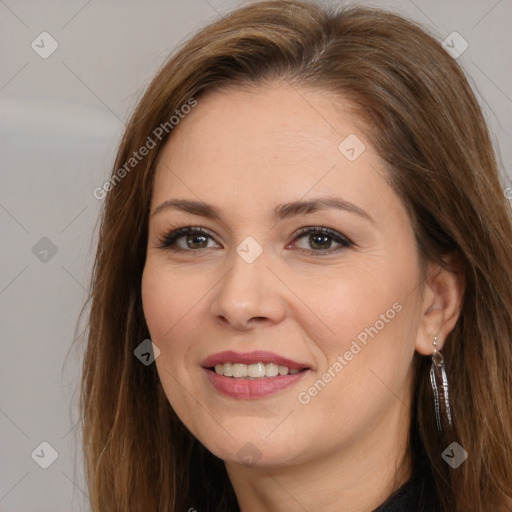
(439, 382)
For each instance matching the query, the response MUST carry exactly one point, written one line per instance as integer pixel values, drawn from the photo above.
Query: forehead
(267, 145)
(274, 114)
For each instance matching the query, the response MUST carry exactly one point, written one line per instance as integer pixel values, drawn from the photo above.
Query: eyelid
(325, 230)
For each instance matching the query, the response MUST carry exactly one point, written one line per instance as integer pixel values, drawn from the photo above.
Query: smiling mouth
(253, 371)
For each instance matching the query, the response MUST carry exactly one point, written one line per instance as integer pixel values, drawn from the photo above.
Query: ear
(441, 305)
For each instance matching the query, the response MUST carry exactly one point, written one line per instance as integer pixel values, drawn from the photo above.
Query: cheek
(357, 304)
(174, 303)
(366, 363)
(169, 301)
(369, 316)
(168, 298)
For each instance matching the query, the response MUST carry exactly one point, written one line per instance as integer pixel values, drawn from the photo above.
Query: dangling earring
(439, 383)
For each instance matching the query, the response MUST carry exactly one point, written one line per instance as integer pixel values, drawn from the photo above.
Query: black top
(405, 499)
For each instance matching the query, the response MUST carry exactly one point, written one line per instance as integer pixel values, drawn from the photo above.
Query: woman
(306, 220)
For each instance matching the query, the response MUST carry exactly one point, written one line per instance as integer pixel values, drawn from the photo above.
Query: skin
(245, 152)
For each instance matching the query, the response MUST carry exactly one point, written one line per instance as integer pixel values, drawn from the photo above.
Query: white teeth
(256, 370)
(239, 370)
(253, 371)
(283, 370)
(271, 370)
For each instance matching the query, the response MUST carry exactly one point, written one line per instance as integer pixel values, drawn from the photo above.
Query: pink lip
(258, 356)
(251, 389)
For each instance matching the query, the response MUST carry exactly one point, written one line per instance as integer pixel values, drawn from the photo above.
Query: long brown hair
(424, 121)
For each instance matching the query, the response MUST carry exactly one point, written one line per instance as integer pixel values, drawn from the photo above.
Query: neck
(360, 475)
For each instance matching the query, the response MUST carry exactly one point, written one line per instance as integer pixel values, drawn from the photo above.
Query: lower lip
(250, 389)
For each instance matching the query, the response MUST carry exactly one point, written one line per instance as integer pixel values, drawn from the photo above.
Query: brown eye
(319, 240)
(195, 241)
(187, 239)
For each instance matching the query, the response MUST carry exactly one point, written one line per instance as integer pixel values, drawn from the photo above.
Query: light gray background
(61, 120)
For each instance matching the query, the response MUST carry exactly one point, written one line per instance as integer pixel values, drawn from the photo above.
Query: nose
(249, 295)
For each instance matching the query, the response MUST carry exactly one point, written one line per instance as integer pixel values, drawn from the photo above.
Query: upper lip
(258, 356)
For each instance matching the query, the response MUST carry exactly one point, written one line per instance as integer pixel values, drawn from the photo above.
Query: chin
(256, 451)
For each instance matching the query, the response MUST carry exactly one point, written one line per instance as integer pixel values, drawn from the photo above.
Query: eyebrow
(280, 212)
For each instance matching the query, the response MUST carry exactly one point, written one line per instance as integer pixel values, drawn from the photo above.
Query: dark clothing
(404, 500)
(407, 499)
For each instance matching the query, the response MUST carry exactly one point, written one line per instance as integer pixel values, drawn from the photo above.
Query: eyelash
(167, 241)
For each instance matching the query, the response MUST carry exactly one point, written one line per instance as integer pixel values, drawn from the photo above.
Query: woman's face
(305, 260)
